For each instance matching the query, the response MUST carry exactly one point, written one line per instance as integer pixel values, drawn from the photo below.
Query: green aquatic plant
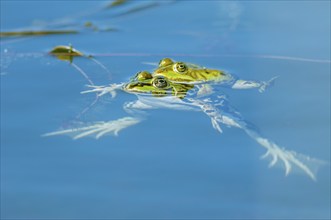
(64, 27)
(137, 6)
(93, 27)
(66, 53)
(116, 3)
(36, 33)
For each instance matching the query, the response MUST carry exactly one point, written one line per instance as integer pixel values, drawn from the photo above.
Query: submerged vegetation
(116, 3)
(56, 28)
(26, 33)
(36, 33)
(66, 53)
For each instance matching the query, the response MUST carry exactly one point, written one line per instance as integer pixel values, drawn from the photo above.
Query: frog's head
(159, 86)
(183, 72)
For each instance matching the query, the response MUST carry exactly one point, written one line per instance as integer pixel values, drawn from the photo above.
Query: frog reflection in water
(183, 86)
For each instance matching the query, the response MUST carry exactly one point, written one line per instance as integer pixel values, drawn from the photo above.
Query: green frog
(179, 77)
(182, 86)
(157, 85)
(189, 73)
(195, 74)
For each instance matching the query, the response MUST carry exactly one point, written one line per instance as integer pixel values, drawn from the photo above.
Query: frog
(196, 74)
(189, 87)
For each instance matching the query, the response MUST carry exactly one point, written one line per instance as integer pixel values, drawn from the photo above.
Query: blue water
(173, 165)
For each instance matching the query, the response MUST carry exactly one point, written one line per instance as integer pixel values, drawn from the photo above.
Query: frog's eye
(160, 83)
(180, 67)
(165, 62)
(144, 75)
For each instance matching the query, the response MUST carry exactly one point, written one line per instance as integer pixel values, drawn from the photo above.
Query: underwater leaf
(36, 33)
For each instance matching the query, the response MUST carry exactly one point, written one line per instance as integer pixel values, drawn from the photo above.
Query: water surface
(173, 165)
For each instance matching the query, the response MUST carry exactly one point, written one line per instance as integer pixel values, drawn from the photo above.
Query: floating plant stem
(36, 33)
(81, 71)
(116, 3)
(67, 53)
(100, 64)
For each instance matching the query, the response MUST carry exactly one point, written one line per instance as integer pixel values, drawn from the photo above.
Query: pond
(173, 164)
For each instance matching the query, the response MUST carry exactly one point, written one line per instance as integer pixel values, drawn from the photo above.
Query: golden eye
(165, 62)
(144, 75)
(180, 67)
(160, 83)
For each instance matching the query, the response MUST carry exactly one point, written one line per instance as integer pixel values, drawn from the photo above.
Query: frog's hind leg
(291, 160)
(97, 129)
(217, 117)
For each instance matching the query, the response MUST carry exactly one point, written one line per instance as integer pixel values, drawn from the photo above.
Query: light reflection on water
(173, 164)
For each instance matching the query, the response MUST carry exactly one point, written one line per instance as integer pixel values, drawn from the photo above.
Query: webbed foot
(265, 85)
(102, 90)
(97, 129)
(291, 160)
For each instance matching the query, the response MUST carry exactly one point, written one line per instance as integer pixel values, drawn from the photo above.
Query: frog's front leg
(102, 90)
(248, 84)
(100, 128)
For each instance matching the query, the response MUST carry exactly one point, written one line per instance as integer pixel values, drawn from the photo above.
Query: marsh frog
(195, 74)
(184, 86)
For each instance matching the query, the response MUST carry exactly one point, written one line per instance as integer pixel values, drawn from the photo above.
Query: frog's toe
(97, 129)
(102, 90)
(265, 85)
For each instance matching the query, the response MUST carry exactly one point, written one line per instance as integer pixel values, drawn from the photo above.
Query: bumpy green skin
(158, 86)
(173, 78)
(182, 72)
